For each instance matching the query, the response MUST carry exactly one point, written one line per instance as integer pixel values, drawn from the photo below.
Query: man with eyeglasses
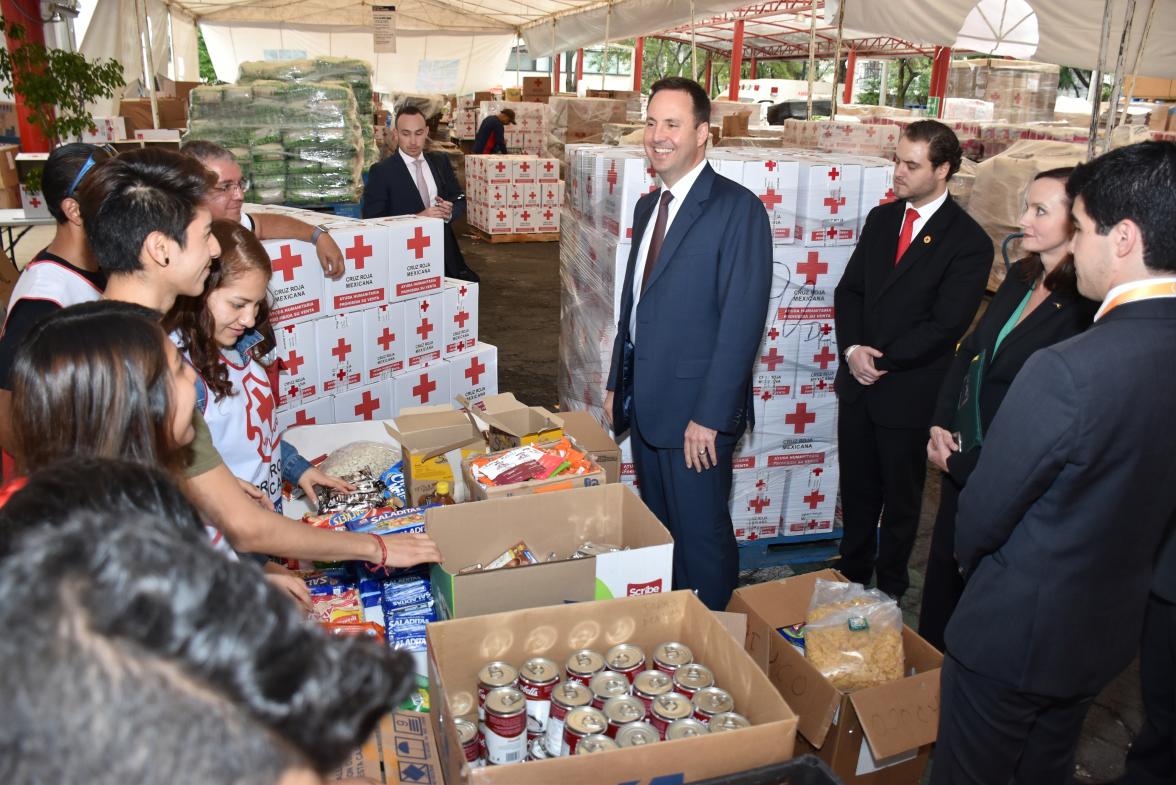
(228, 195)
(64, 273)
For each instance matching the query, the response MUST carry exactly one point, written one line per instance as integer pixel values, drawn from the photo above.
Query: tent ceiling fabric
(451, 15)
(1069, 30)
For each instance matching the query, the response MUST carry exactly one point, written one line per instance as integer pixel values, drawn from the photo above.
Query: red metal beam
(555, 85)
(752, 70)
(939, 73)
(707, 77)
(736, 61)
(638, 61)
(28, 14)
(850, 65)
(579, 68)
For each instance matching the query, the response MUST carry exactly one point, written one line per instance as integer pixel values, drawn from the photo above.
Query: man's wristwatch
(318, 232)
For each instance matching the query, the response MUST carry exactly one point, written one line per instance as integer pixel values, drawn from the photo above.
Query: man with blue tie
(693, 307)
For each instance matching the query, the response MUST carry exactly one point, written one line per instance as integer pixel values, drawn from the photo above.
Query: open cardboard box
(898, 721)
(559, 522)
(435, 440)
(510, 423)
(457, 649)
(583, 428)
(564, 482)
(400, 749)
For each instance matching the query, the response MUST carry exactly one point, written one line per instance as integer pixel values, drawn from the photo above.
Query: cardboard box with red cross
(810, 498)
(423, 386)
(774, 181)
(757, 498)
(339, 345)
(366, 254)
(827, 204)
(423, 333)
(627, 177)
(474, 375)
(385, 341)
(367, 402)
(106, 130)
(297, 286)
(459, 325)
(320, 411)
(298, 371)
(416, 255)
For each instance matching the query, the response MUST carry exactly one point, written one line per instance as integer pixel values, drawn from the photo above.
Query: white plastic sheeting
(1068, 30)
(425, 61)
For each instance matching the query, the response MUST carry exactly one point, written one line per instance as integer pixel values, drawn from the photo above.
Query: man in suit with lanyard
(908, 294)
(1060, 524)
(414, 182)
(692, 314)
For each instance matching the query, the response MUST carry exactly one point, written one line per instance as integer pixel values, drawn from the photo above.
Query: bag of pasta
(853, 635)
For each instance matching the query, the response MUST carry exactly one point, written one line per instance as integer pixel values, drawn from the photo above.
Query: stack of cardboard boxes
(527, 134)
(513, 194)
(572, 120)
(1021, 91)
(786, 469)
(391, 333)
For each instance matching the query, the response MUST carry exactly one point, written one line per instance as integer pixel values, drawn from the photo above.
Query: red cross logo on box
(359, 252)
(548, 166)
(293, 362)
(826, 329)
(367, 405)
(462, 291)
(501, 167)
(461, 317)
(501, 216)
(286, 263)
(475, 371)
(833, 204)
(834, 173)
(773, 333)
(341, 350)
(526, 216)
(770, 166)
(418, 242)
(526, 167)
(424, 329)
(423, 389)
(35, 202)
(888, 197)
(548, 214)
(771, 198)
(386, 338)
(811, 267)
(611, 177)
(824, 357)
(301, 419)
(758, 504)
(772, 359)
(813, 499)
(800, 418)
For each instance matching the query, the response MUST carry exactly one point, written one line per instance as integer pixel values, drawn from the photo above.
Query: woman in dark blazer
(1037, 305)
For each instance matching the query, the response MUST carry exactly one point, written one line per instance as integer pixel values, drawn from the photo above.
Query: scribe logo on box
(639, 589)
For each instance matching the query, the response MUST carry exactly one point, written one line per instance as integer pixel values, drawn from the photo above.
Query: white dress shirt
(679, 189)
(925, 212)
(410, 162)
(1126, 287)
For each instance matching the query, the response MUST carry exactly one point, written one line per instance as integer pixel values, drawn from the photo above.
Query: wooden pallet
(803, 549)
(548, 237)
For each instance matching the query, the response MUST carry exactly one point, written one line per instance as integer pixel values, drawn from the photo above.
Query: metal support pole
(693, 46)
(1117, 82)
(638, 62)
(850, 67)
(736, 61)
(837, 57)
(579, 68)
(709, 84)
(812, 58)
(884, 87)
(1096, 80)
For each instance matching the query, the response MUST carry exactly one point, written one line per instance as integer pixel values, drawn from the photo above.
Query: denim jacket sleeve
(293, 464)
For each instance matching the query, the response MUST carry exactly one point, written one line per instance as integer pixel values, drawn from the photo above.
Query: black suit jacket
(914, 312)
(1060, 523)
(701, 316)
(1062, 315)
(391, 190)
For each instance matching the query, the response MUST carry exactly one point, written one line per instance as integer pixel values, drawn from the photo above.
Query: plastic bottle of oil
(440, 495)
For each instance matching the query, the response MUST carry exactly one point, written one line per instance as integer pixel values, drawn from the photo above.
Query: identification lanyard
(1148, 292)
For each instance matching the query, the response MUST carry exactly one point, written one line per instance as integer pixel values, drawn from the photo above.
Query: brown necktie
(659, 234)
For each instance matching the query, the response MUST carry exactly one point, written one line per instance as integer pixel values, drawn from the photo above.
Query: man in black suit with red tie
(908, 294)
(414, 182)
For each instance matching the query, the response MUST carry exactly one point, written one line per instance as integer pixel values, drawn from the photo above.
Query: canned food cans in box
(728, 720)
(689, 679)
(565, 697)
(537, 678)
(505, 728)
(622, 710)
(471, 745)
(668, 657)
(712, 701)
(647, 685)
(492, 676)
(590, 745)
(580, 723)
(583, 665)
(637, 734)
(627, 659)
(669, 708)
(605, 685)
(685, 728)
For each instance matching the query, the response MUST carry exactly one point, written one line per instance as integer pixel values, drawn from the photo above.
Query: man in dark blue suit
(1060, 524)
(414, 182)
(692, 314)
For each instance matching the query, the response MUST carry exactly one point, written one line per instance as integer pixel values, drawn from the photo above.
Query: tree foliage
(55, 85)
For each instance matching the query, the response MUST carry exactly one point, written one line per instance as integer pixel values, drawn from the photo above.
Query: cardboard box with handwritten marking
(876, 736)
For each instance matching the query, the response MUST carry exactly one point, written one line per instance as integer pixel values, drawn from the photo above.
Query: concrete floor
(520, 315)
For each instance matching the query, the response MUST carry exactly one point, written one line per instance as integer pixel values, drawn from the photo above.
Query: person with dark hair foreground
(226, 196)
(62, 274)
(908, 294)
(1037, 305)
(414, 181)
(134, 654)
(692, 314)
(1061, 521)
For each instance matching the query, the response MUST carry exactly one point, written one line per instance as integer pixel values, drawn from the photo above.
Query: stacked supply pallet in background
(464, 122)
(573, 120)
(785, 479)
(391, 333)
(527, 134)
(514, 195)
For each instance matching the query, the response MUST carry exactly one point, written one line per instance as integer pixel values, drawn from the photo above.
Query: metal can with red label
(590, 745)
(649, 684)
(671, 707)
(537, 678)
(492, 676)
(685, 728)
(668, 657)
(580, 723)
(691, 678)
(712, 701)
(728, 720)
(505, 728)
(622, 710)
(637, 734)
(565, 697)
(626, 659)
(583, 665)
(605, 685)
(471, 744)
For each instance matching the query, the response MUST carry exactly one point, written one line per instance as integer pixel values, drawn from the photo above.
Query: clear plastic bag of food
(373, 458)
(853, 635)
